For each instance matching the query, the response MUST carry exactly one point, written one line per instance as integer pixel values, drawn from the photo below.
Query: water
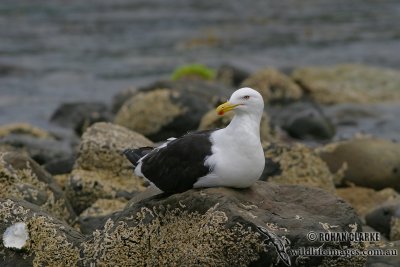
(54, 51)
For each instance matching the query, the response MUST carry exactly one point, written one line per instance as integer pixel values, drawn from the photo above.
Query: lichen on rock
(299, 165)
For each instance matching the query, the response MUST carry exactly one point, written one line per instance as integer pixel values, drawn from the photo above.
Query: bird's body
(231, 157)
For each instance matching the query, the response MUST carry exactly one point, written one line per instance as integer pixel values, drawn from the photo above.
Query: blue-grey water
(54, 51)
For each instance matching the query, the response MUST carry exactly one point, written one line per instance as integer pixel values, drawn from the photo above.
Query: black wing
(176, 167)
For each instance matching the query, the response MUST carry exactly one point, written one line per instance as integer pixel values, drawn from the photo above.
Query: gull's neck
(245, 124)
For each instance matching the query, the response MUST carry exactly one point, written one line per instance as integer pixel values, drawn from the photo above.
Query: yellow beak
(225, 107)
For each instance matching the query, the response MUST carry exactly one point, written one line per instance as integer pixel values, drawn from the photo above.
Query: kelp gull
(230, 157)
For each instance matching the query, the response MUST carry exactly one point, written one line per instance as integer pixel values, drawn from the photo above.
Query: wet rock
(364, 200)
(211, 120)
(274, 86)
(51, 242)
(80, 115)
(373, 163)
(218, 227)
(22, 178)
(231, 76)
(349, 83)
(297, 164)
(302, 120)
(121, 97)
(381, 217)
(101, 170)
(379, 120)
(163, 113)
(39, 144)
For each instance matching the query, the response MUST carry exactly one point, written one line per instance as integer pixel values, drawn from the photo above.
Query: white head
(243, 101)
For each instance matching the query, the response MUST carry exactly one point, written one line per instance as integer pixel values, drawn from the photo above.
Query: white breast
(237, 160)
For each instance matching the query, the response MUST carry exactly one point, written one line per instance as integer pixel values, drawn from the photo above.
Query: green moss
(193, 71)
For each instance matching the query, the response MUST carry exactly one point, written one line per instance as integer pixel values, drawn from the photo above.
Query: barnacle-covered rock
(297, 164)
(101, 170)
(51, 242)
(22, 178)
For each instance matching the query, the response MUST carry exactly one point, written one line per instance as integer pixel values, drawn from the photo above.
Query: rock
(80, 115)
(218, 227)
(349, 83)
(121, 97)
(101, 170)
(51, 242)
(95, 216)
(210, 91)
(297, 164)
(274, 86)
(385, 261)
(364, 200)
(39, 144)
(231, 76)
(22, 178)
(395, 227)
(211, 120)
(163, 113)
(209, 227)
(373, 163)
(381, 217)
(23, 129)
(302, 120)
(378, 119)
(60, 165)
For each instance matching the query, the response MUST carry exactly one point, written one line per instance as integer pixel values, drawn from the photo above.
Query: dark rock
(94, 217)
(379, 120)
(231, 75)
(60, 165)
(214, 226)
(101, 170)
(78, 116)
(373, 163)
(163, 113)
(381, 217)
(39, 144)
(22, 178)
(385, 261)
(302, 120)
(51, 242)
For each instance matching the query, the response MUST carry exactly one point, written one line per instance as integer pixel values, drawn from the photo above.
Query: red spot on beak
(221, 112)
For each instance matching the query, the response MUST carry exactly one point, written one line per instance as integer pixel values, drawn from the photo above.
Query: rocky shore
(332, 164)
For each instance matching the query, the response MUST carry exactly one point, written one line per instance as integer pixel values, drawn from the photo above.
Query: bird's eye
(246, 97)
